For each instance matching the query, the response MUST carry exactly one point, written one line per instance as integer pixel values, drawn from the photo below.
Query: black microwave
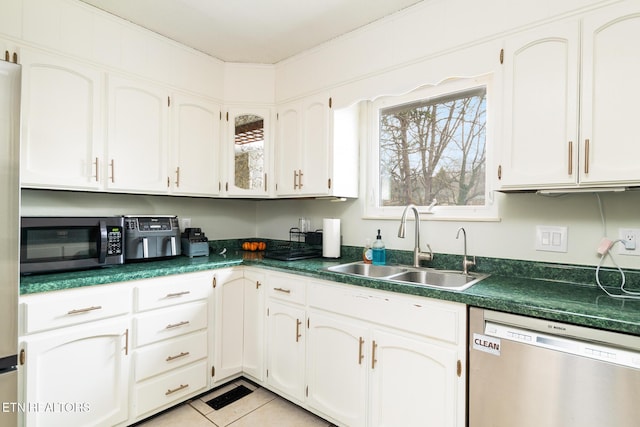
(49, 244)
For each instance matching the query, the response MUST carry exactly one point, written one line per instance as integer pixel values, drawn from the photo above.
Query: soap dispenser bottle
(367, 252)
(379, 251)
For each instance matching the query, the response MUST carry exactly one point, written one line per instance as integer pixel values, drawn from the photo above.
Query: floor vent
(229, 397)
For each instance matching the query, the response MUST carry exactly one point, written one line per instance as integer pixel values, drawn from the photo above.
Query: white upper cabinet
(314, 143)
(195, 146)
(610, 94)
(541, 72)
(570, 103)
(289, 149)
(247, 152)
(137, 136)
(303, 147)
(62, 143)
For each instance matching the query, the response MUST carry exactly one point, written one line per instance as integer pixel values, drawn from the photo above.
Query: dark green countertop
(582, 304)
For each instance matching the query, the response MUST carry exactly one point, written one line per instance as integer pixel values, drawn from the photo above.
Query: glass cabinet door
(249, 155)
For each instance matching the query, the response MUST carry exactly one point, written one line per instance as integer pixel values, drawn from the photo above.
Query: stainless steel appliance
(9, 243)
(149, 237)
(51, 244)
(529, 372)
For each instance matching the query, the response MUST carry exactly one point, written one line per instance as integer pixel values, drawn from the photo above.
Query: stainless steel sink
(428, 277)
(367, 270)
(439, 278)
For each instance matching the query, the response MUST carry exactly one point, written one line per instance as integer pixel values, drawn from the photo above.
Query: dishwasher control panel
(599, 351)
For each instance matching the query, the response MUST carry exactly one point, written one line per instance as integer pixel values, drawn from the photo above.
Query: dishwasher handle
(589, 349)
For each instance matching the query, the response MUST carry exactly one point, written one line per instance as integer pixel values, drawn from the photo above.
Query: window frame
(372, 208)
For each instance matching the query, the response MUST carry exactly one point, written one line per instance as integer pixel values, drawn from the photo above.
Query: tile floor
(261, 408)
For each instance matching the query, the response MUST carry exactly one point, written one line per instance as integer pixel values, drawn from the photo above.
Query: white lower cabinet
(337, 367)
(171, 388)
(253, 337)
(113, 355)
(286, 349)
(362, 357)
(414, 382)
(238, 325)
(170, 342)
(77, 376)
(228, 321)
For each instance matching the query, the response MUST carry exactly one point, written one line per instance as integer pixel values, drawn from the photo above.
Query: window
(431, 145)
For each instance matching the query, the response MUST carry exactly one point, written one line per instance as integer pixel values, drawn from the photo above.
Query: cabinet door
(289, 150)
(414, 383)
(315, 146)
(229, 320)
(195, 146)
(540, 139)
(79, 375)
(337, 367)
(253, 354)
(248, 152)
(286, 349)
(610, 91)
(137, 142)
(61, 123)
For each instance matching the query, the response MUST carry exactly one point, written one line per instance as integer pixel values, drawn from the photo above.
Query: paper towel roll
(331, 238)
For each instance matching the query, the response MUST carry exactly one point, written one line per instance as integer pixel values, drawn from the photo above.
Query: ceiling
(254, 31)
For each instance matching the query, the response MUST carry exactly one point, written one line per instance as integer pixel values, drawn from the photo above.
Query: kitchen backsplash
(580, 275)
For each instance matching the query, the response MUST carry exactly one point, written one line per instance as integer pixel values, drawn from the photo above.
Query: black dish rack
(301, 245)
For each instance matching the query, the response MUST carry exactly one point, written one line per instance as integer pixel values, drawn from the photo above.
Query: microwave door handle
(145, 247)
(102, 257)
(173, 246)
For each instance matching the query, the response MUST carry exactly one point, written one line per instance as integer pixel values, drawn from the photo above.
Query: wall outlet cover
(629, 244)
(551, 238)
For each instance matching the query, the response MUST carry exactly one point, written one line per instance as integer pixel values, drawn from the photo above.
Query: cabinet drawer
(164, 356)
(170, 322)
(64, 308)
(287, 288)
(171, 290)
(441, 320)
(161, 391)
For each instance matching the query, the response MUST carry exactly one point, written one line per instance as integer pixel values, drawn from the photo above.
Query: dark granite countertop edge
(552, 300)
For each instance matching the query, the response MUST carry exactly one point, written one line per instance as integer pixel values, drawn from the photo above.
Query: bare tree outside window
(434, 149)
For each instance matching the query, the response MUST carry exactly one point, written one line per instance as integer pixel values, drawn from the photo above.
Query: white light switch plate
(551, 238)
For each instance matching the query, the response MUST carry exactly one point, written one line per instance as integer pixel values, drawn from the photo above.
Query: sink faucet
(418, 255)
(466, 263)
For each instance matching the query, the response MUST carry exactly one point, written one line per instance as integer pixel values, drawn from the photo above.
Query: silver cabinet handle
(177, 294)
(97, 173)
(298, 335)
(85, 310)
(586, 156)
(176, 325)
(177, 356)
(182, 387)
(112, 165)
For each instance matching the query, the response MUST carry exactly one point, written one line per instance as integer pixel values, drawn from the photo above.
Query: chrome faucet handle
(427, 256)
(466, 263)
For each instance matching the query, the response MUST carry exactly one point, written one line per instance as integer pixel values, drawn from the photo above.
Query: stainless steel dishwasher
(526, 372)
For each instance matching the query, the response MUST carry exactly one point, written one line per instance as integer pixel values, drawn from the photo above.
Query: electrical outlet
(629, 237)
